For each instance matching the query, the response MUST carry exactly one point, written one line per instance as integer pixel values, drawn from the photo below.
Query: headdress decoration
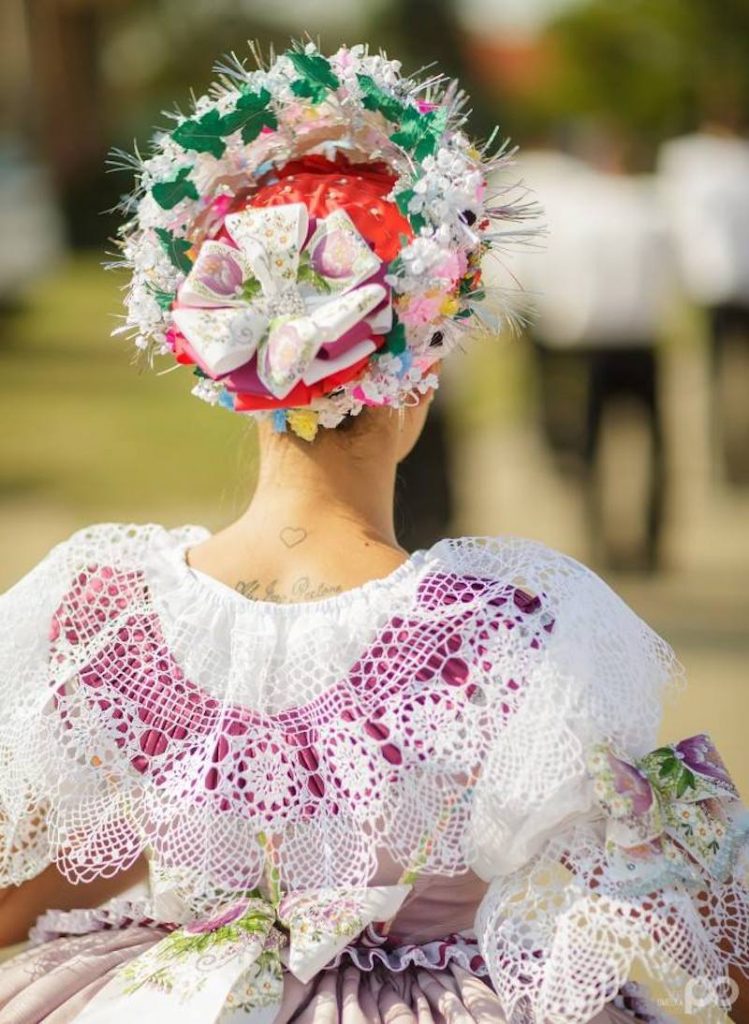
(309, 237)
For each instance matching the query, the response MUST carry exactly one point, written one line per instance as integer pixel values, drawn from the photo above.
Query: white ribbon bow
(277, 297)
(189, 975)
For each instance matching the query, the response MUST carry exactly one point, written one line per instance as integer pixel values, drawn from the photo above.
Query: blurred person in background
(32, 239)
(601, 288)
(425, 498)
(705, 183)
(68, 103)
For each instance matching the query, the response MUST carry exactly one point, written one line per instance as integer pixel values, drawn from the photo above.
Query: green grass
(83, 428)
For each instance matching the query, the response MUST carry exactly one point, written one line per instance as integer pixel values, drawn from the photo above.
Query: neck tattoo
(292, 535)
(301, 590)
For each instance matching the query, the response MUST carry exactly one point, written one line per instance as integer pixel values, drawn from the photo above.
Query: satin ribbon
(277, 296)
(188, 975)
(672, 814)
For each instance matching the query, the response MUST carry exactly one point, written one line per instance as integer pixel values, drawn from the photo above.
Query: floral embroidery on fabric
(266, 290)
(668, 812)
(243, 950)
(180, 962)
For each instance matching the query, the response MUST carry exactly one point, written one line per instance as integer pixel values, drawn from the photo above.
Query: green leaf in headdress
(164, 299)
(395, 342)
(686, 781)
(251, 288)
(203, 135)
(466, 286)
(168, 193)
(420, 133)
(307, 274)
(316, 77)
(402, 199)
(669, 766)
(396, 265)
(251, 114)
(375, 98)
(176, 249)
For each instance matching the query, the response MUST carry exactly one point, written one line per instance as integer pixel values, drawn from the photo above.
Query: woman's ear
(411, 422)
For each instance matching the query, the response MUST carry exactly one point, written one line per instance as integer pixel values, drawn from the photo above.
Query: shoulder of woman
(123, 540)
(525, 561)
(590, 647)
(118, 545)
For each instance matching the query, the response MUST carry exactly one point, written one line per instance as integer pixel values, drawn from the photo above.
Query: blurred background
(614, 426)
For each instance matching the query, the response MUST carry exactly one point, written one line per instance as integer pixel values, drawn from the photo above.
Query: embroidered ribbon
(669, 813)
(269, 292)
(236, 959)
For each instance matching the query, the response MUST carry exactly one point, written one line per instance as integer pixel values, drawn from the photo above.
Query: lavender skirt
(442, 982)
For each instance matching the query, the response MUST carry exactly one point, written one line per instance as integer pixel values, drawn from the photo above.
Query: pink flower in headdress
(420, 309)
(222, 275)
(335, 254)
(630, 782)
(344, 58)
(452, 268)
(699, 753)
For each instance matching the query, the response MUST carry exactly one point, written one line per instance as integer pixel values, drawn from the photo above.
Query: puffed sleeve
(601, 848)
(27, 612)
(53, 761)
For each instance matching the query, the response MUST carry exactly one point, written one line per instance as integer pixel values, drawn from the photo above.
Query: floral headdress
(309, 238)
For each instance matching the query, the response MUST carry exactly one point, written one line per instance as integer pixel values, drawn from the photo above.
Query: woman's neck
(320, 521)
(332, 491)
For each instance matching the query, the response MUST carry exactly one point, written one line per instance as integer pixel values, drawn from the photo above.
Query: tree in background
(103, 71)
(656, 68)
(63, 41)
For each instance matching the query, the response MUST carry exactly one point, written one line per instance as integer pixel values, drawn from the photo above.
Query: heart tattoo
(292, 535)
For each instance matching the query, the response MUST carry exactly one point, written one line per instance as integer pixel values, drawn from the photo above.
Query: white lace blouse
(490, 706)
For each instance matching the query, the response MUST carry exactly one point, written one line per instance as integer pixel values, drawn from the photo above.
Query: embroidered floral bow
(280, 293)
(669, 813)
(236, 959)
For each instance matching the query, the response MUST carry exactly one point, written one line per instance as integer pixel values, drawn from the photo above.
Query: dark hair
(348, 422)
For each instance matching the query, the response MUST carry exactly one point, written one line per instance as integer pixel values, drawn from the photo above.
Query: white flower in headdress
(449, 185)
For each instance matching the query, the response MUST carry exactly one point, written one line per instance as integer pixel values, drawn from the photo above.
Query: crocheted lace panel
(441, 714)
